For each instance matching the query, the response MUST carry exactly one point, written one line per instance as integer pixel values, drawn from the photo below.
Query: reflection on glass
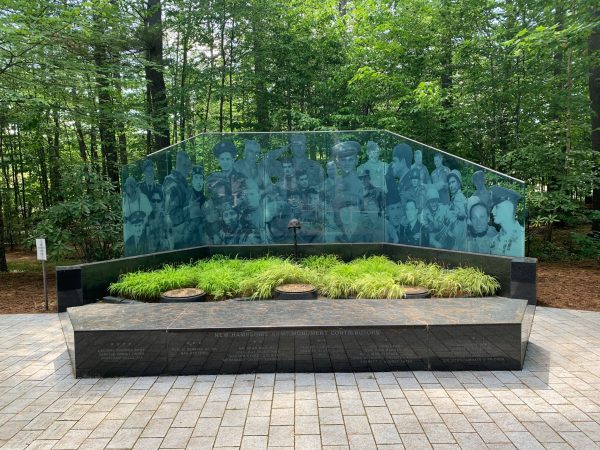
(361, 186)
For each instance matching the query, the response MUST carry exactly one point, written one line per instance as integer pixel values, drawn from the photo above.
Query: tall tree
(594, 87)
(156, 90)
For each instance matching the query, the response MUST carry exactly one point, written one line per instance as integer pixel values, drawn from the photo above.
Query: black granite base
(299, 336)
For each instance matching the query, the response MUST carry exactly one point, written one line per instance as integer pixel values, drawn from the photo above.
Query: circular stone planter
(183, 295)
(417, 292)
(295, 292)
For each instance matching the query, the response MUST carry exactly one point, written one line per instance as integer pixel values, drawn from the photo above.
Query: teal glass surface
(343, 186)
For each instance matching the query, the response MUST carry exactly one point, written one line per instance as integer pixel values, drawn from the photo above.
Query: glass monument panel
(343, 186)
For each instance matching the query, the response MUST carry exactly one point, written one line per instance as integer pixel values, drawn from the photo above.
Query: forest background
(88, 86)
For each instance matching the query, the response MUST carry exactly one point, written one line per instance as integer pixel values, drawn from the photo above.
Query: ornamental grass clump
(472, 281)
(368, 277)
(262, 284)
(321, 263)
(148, 286)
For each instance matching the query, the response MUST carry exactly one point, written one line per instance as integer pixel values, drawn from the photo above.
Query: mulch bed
(23, 292)
(573, 285)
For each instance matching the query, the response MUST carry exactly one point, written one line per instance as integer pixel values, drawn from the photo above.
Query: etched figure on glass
(413, 233)
(510, 239)
(435, 219)
(157, 226)
(148, 185)
(301, 162)
(377, 168)
(457, 231)
(395, 216)
(176, 199)
(439, 178)
(252, 210)
(225, 185)
(416, 190)
(133, 201)
(194, 210)
(418, 164)
(372, 206)
(277, 217)
(352, 226)
(138, 241)
(480, 190)
(345, 155)
(480, 234)
(397, 175)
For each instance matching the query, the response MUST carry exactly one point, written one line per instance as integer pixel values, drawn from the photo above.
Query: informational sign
(40, 245)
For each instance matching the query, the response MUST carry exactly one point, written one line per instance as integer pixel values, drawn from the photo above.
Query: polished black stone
(298, 335)
(68, 287)
(524, 279)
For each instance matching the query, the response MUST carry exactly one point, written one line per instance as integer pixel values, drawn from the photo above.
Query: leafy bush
(87, 224)
(585, 247)
(373, 277)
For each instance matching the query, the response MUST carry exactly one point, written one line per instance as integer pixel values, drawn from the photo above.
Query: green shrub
(86, 225)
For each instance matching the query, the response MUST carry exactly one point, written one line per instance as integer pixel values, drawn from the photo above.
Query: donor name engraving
(250, 333)
(121, 352)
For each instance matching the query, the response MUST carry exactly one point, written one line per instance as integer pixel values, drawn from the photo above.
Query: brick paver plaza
(553, 403)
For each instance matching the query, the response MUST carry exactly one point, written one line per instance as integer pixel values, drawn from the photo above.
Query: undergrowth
(367, 277)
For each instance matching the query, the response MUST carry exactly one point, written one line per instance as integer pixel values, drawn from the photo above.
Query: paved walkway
(553, 403)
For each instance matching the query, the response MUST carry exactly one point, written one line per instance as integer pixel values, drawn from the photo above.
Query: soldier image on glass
(395, 216)
(510, 239)
(229, 230)
(345, 155)
(252, 210)
(377, 168)
(311, 217)
(194, 210)
(372, 205)
(436, 221)
(301, 162)
(277, 216)
(176, 198)
(352, 226)
(480, 234)
(439, 178)
(397, 175)
(248, 164)
(457, 211)
(413, 233)
(157, 226)
(287, 184)
(415, 191)
(418, 164)
(133, 201)
(138, 242)
(480, 190)
(225, 185)
(148, 185)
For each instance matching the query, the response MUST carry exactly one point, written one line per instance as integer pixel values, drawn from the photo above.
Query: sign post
(40, 245)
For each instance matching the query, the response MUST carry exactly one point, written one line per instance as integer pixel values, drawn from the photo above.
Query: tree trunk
(106, 127)
(3, 264)
(54, 159)
(260, 88)
(223, 73)
(211, 73)
(183, 109)
(155, 80)
(594, 85)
